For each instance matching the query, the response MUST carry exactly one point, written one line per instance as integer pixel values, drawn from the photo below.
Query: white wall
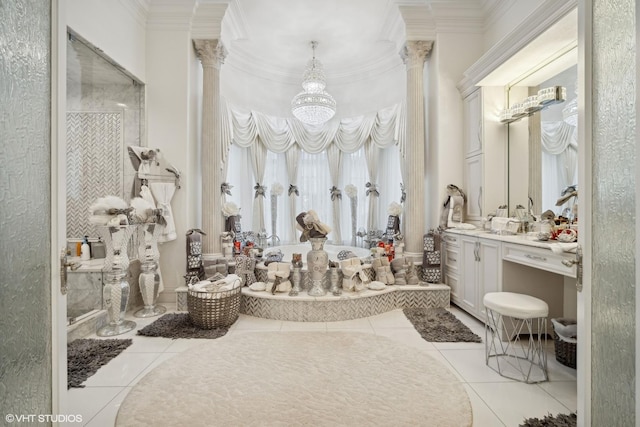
(170, 63)
(452, 54)
(112, 27)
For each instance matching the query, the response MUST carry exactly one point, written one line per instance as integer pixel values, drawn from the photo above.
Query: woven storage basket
(565, 351)
(210, 310)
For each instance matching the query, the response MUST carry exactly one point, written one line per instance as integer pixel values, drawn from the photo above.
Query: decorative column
(414, 54)
(211, 54)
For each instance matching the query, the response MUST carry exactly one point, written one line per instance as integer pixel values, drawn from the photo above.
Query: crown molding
(456, 25)
(171, 15)
(138, 9)
(234, 25)
(419, 22)
(207, 21)
(543, 17)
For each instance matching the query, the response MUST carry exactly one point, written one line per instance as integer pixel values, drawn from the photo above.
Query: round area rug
(298, 379)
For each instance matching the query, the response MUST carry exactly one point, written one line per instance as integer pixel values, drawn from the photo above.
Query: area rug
(439, 325)
(86, 356)
(178, 325)
(560, 420)
(298, 379)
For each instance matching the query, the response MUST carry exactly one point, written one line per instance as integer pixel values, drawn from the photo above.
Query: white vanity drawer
(451, 240)
(451, 257)
(543, 259)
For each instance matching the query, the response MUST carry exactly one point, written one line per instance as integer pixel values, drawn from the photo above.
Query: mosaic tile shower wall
(94, 165)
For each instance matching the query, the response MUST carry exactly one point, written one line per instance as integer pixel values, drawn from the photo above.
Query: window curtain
(559, 160)
(289, 145)
(258, 153)
(401, 132)
(224, 167)
(334, 157)
(292, 156)
(372, 154)
(279, 134)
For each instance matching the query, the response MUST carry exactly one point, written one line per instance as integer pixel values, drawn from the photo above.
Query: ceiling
(273, 38)
(268, 46)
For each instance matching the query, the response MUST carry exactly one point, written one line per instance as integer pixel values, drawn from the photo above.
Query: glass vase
(149, 279)
(116, 239)
(296, 277)
(115, 295)
(149, 283)
(333, 279)
(317, 264)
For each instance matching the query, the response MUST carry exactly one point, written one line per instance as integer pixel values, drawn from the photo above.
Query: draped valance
(383, 129)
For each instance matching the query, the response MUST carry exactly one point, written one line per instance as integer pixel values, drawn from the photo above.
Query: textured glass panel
(25, 267)
(613, 251)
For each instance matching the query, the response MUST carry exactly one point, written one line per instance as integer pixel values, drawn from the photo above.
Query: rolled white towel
(199, 286)
(559, 248)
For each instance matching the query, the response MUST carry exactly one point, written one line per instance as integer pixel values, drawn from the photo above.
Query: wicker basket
(210, 310)
(565, 351)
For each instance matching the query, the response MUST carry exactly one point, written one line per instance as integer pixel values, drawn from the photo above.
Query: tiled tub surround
(349, 305)
(327, 308)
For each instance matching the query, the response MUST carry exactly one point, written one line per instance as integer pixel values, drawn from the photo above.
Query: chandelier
(313, 105)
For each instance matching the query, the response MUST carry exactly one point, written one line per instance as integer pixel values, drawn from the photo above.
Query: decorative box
(431, 258)
(429, 243)
(431, 274)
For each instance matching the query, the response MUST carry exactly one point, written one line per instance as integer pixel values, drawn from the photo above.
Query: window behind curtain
(314, 183)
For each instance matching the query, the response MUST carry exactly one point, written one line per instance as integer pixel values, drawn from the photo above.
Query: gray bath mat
(560, 420)
(86, 356)
(439, 325)
(178, 325)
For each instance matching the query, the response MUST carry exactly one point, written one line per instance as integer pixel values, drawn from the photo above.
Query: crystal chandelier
(313, 105)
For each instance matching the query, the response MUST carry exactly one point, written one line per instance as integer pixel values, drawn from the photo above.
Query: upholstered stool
(516, 336)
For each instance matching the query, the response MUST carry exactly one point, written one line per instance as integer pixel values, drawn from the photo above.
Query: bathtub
(303, 248)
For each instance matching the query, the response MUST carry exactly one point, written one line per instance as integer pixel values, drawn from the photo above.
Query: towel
(559, 248)
(230, 282)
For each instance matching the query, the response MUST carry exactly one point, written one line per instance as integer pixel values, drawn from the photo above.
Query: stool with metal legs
(511, 319)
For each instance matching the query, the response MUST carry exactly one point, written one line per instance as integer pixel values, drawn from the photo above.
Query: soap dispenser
(98, 249)
(85, 252)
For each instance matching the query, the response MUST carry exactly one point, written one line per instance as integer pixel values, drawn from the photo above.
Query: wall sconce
(532, 104)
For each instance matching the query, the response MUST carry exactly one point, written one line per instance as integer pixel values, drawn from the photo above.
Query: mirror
(543, 150)
(542, 146)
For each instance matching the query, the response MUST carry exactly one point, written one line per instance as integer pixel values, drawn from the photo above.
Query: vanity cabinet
(451, 265)
(480, 273)
(477, 262)
(472, 268)
(485, 153)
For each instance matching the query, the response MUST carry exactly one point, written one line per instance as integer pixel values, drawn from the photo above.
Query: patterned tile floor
(496, 401)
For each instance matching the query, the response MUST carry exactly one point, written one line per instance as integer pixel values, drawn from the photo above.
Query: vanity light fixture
(532, 104)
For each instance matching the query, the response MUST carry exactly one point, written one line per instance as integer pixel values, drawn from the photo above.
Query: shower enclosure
(105, 114)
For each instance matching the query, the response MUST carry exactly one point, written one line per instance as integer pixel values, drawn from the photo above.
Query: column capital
(415, 52)
(210, 52)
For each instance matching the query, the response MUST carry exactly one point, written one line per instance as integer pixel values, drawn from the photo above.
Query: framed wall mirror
(543, 145)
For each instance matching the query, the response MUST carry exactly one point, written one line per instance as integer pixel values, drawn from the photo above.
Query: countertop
(93, 265)
(521, 239)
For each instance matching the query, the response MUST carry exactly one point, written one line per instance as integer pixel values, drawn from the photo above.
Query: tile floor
(496, 401)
